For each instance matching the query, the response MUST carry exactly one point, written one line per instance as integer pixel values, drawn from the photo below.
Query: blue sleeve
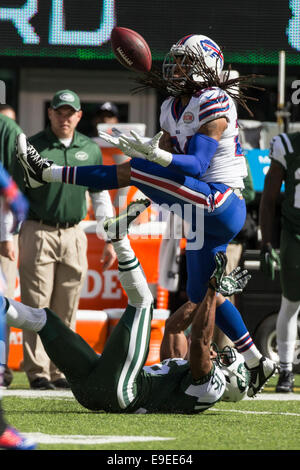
(4, 178)
(201, 149)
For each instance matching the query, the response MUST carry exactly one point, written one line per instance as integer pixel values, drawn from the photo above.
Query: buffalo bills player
(194, 162)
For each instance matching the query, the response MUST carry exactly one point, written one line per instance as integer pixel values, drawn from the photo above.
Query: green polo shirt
(58, 202)
(9, 130)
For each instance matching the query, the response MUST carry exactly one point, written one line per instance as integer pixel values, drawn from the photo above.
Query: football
(131, 49)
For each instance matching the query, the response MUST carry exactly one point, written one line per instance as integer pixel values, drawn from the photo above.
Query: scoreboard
(251, 31)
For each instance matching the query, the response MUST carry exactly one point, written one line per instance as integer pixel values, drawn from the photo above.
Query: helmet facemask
(236, 374)
(198, 59)
(178, 60)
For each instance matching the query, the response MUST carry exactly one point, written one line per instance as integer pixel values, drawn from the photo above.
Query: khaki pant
(234, 253)
(10, 270)
(53, 267)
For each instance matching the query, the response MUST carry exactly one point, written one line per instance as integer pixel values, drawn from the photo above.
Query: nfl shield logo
(188, 117)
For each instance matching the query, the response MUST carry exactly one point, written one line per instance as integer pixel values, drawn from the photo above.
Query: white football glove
(150, 148)
(130, 152)
(114, 139)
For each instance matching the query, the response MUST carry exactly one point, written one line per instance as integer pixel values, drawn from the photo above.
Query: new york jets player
(195, 163)
(117, 380)
(285, 167)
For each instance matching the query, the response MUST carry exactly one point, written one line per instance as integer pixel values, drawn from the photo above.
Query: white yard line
(68, 394)
(276, 397)
(258, 412)
(38, 393)
(42, 438)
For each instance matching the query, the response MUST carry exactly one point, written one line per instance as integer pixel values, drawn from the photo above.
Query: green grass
(248, 425)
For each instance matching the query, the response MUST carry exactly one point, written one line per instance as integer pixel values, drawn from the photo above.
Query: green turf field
(58, 422)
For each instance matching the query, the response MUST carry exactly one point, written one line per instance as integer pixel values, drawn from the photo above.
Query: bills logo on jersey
(213, 50)
(188, 117)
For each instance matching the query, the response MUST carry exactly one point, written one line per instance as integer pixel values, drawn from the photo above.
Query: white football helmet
(236, 374)
(185, 48)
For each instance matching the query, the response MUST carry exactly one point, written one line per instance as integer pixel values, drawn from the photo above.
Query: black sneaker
(41, 384)
(61, 383)
(285, 382)
(31, 161)
(260, 375)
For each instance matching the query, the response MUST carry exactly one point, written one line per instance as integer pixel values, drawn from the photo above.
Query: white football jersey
(228, 164)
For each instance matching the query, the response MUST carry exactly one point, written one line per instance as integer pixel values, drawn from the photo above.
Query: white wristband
(161, 157)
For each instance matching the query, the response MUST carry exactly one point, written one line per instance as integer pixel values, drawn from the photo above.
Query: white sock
(131, 275)
(249, 351)
(21, 316)
(286, 331)
(53, 174)
(252, 356)
(123, 250)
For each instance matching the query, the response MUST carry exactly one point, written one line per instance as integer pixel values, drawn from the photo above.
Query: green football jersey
(117, 381)
(168, 387)
(285, 149)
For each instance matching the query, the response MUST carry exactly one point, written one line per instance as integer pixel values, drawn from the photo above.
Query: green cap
(66, 98)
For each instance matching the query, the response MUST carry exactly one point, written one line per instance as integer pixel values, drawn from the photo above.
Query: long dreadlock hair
(235, 87)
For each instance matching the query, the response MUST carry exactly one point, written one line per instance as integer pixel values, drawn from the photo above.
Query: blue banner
(259, 163)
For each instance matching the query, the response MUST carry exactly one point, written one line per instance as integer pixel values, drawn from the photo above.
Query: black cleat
(117, 227)
(260, 375)
(285, 382)
(32, 163)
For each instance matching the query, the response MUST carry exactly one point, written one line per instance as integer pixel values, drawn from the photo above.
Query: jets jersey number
(173, 389)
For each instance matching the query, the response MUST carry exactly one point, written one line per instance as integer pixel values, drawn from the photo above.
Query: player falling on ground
(195, 163)
(117, 380)
(10, 199)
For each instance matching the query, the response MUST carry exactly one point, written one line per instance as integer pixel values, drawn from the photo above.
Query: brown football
(131, 49)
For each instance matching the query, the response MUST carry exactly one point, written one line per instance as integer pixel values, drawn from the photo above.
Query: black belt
(55, 224)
